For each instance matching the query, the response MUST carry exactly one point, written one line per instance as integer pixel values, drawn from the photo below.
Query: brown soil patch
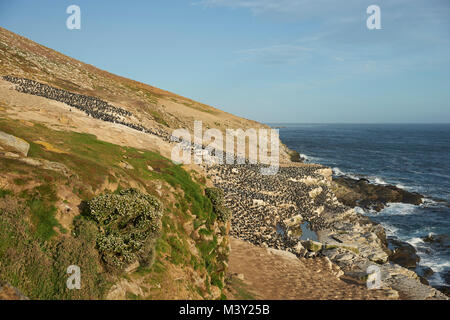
(274, 276)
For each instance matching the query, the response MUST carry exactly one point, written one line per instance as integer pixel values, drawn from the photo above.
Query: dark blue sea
(415, 157)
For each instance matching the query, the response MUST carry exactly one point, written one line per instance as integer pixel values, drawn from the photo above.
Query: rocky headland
(369, 196)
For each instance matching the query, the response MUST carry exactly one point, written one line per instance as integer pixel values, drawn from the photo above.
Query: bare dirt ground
(268, 274)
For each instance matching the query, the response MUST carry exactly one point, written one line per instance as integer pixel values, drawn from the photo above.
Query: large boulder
(403, 254)
(362, 193)
(12, 143)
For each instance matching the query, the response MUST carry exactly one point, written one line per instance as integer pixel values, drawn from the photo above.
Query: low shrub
(39, 269)
(129, 222)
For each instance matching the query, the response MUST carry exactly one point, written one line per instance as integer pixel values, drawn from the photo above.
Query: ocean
(415, 157)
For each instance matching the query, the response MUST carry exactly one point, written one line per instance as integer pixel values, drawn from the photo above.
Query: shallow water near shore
(415, 157)
(305, 232)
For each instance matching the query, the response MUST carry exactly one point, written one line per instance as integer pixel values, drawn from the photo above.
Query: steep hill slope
(152, 107)
(55, 160)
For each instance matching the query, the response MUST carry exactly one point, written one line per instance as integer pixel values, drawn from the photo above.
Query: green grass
(5, 192)
(159, 118)
(241, 290)
(91, 163)
(20, 182)
(43, 216)
(38, 269)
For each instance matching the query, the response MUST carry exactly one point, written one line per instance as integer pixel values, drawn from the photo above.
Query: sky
(274, 61)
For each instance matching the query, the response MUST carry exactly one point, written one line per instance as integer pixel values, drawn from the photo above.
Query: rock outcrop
(403, 254)
(13, 144)
(362, 193)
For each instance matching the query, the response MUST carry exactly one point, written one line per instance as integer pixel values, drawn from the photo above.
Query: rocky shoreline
(272, 211)
(369, 196)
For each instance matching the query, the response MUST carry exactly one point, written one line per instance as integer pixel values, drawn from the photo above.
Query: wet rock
(440, 239)
(403, 254)
(425, 272)
(444, 289)
(423, 280)
(446, 276)
(353, 192)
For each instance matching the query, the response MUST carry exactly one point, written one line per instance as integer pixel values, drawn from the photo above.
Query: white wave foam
(427, 203)
(430, 259)
(390, 230)
(398, 209)
(377, 180)
(310, 158)
(437, 264)
(359, 210)
(415, 241)
(338, 172)
(304, 156)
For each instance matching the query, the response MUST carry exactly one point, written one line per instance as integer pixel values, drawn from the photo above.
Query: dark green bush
(129, 222)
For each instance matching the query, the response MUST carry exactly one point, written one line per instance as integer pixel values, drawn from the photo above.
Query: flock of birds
(262, 205)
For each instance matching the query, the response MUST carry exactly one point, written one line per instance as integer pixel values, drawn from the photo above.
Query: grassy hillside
(42, 231)
(74, 158)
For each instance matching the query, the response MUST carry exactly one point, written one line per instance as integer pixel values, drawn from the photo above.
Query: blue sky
(310, 61)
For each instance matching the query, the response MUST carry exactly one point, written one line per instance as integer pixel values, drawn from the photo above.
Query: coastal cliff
(75, 137)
